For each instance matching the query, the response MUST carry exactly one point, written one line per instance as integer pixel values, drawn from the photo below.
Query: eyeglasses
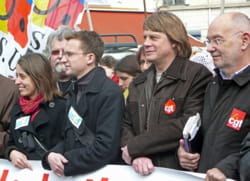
(56, 52)
(219, 41)
(216, 41)
(71, 54)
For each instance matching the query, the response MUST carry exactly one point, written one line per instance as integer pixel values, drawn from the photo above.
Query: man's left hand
(143, 165)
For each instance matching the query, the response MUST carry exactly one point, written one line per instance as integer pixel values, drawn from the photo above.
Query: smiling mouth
(215, 56)
(148, 53)
(21, 89)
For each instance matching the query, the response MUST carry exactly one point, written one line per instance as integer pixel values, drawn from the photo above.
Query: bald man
(225, 119)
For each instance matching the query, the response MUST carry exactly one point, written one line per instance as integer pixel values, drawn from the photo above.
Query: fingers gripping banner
(108, 173)
(26, 24)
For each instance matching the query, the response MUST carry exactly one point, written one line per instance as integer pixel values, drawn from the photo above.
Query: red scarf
(31, 106)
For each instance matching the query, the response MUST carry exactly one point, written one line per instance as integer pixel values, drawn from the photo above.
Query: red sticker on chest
(170, 107)
(236, 119)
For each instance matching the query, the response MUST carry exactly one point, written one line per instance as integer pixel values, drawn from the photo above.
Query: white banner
(109, 173)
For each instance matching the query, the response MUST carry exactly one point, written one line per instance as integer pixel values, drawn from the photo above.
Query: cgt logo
(236, 119)
(234, 123)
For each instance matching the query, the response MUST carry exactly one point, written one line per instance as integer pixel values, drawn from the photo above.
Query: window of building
(173, 2)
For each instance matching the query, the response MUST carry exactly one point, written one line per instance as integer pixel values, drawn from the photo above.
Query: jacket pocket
(133, 116)
(84, 135)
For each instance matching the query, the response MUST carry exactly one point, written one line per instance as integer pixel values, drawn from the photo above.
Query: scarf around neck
(31, 106)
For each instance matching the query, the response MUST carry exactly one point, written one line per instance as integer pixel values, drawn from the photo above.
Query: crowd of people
(77, 111)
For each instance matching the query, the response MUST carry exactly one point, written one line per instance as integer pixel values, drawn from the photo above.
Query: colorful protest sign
(26, 24)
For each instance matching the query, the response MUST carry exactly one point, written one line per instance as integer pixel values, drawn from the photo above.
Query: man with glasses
(225, 119)
(54, 50)
(94, 111)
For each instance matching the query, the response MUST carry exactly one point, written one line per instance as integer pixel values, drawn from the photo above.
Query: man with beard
(55, 48)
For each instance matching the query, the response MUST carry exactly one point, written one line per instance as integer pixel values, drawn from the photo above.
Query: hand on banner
(143, 165)
(56, 162)
(125, 155)
(187, 160)
(215, 174)
(19, 160)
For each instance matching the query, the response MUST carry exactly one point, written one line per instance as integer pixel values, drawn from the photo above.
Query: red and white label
(236, 119)
(170, 107)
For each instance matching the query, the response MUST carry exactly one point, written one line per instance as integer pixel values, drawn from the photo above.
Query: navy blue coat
(96, 142)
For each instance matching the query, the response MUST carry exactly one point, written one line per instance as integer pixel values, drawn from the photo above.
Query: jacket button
(51, 104)
(20, 140)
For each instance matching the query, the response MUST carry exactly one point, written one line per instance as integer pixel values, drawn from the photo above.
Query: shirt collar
(234, 75)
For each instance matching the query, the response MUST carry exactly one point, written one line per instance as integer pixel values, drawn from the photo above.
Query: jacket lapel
(40, 119)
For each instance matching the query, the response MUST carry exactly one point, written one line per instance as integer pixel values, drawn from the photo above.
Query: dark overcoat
(96, 141)
(156, 113)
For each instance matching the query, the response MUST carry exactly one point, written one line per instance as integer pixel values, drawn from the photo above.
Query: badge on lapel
(236, 119)
(169, 107)
(74, 117)
(21, 122)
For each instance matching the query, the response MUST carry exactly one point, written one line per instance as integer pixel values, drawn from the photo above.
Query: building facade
(198, 14)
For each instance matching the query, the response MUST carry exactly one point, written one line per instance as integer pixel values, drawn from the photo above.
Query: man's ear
(90, 58)
(245, 40)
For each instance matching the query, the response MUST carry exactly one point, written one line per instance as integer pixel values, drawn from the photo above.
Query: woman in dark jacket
(37, 121)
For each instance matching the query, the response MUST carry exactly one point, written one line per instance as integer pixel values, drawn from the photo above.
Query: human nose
(64, 58)
(60, 55)
(17, 81)
(121, 84)
(210, 47)
(146, 42)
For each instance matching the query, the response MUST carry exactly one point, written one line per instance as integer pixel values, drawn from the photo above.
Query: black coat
(244, 163)
(225, 123)
(97, 140)
(47, 127)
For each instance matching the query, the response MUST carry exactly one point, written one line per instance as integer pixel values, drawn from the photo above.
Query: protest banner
(108, 173)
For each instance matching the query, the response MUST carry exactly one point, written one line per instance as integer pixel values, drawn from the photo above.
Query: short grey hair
(59, 35)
